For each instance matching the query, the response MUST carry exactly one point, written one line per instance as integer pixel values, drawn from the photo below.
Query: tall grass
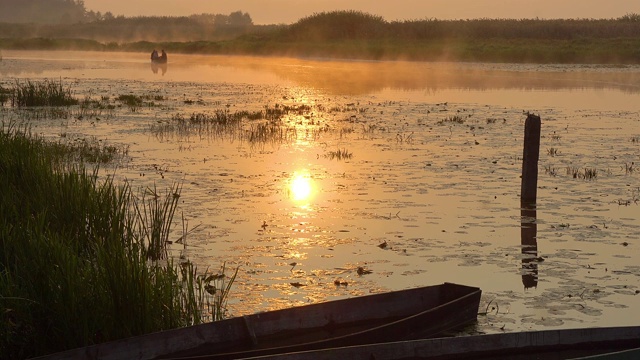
(75, 264)
(4, 95)
(154, 216)
(42, 93)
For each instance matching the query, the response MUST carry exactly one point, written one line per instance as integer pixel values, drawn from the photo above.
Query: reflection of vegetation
(353, 34)
(74, 260)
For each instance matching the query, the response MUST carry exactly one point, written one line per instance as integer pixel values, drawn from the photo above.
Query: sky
(289, 11)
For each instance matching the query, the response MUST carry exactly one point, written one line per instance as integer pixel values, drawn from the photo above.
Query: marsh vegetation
(42, 93)
(83, 260)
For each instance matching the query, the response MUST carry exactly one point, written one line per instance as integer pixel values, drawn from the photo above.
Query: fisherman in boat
(163, 57)
(154, 55)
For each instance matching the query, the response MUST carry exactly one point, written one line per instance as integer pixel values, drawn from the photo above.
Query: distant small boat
(407, 314)
(159, 60)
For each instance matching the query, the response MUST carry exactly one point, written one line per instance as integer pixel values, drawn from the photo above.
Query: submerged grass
(75, 253)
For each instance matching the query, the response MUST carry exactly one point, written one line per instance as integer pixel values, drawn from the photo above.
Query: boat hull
(406, 314)
(590, 343)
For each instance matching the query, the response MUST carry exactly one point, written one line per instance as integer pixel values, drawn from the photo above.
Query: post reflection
(529, 242)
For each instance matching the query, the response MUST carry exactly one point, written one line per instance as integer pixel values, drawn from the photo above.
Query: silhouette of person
(154, 55)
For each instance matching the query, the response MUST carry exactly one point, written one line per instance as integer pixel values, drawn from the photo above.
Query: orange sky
(289, 11)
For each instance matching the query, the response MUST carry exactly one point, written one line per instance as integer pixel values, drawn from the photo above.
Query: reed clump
(585, 173)
(274, 124)
(454, 119)
(340, 154)
(133, 102)
(76, 263)
(42, 93)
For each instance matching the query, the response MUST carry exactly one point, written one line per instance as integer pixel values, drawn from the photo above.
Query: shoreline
(621, 51)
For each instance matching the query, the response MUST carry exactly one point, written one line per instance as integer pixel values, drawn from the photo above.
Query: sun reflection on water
(302, 188)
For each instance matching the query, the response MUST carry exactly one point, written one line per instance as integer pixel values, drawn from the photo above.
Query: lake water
(427, 190)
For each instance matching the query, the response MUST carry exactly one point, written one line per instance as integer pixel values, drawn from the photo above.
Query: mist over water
(528, 86)
(435, 156)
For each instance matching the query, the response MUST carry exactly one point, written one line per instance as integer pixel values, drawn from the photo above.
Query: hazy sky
(289, 11)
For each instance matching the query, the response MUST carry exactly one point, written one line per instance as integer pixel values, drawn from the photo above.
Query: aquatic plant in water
(340, 154)
(42, 93)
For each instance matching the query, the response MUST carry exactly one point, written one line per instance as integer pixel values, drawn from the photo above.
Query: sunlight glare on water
(302, 188)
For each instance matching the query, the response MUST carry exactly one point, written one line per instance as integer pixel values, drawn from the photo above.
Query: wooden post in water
(528, 194)
(529, 243)
(530, 155)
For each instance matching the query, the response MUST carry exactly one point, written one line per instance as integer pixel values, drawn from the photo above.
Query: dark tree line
(42, 11)
(70, 19)
(356, 25)
(74, 11)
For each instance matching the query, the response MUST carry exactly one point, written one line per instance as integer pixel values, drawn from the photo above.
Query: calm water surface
(428, 193)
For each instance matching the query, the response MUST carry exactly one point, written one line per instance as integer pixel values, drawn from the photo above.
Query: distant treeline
(354, 34)
(127, 29)
(42, 11)
(357, 25)
(71, 20)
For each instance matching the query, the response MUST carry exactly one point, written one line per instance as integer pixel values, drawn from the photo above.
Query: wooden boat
(159, 60)
(407, 314)
(591, 343)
